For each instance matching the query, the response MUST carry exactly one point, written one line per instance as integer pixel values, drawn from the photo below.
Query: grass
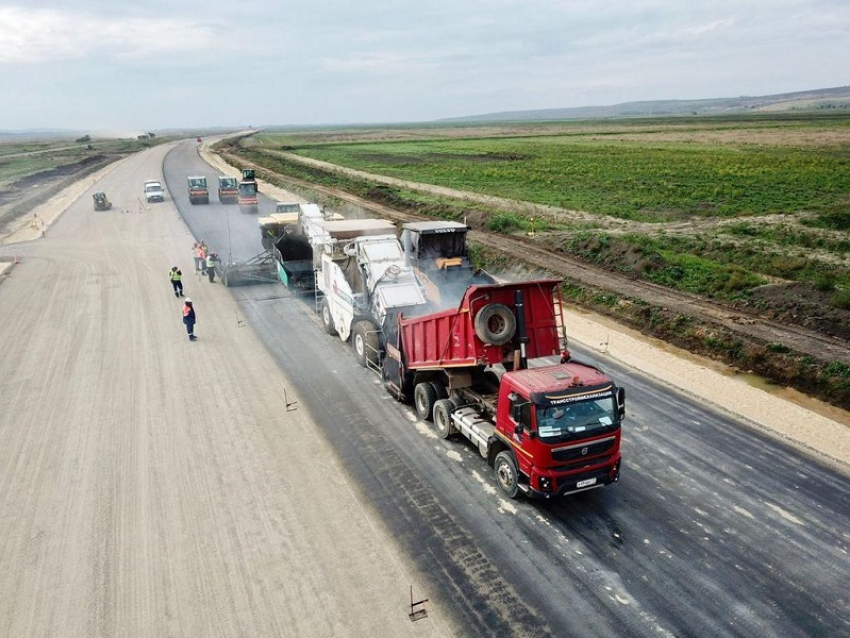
(619, 172)
(676, 262)
(834, 216)
(23, 159)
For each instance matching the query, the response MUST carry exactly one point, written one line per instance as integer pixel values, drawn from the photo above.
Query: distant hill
(833, 99)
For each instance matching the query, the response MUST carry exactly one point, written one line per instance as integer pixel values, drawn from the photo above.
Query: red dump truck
(547, 430)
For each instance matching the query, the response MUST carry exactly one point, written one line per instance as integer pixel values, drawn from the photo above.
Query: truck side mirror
(621, 403)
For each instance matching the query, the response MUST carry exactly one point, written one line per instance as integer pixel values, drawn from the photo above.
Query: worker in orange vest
(189, 319)
(200, 255)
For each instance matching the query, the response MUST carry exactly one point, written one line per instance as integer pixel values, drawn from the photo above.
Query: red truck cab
(558, 430)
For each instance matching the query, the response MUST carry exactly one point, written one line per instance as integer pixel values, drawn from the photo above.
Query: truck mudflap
(577, 483)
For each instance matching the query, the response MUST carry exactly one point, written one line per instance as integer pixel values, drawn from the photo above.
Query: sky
(112, 66)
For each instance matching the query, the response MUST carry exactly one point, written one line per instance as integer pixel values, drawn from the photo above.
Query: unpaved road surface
(150, 486)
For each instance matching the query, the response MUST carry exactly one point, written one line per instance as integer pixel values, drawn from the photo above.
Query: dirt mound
(801, 304)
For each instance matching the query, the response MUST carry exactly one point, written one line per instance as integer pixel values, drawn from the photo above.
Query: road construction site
(260, 482)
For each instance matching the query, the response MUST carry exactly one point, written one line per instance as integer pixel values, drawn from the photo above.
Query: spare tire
(495, 324)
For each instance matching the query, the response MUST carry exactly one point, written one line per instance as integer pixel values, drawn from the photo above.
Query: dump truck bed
(453, 337)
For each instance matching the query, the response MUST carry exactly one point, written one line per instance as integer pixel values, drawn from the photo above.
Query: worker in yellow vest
(176, 281)
(212, 260)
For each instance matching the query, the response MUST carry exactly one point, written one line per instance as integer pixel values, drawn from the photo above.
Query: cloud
(45, 35)
(217, 62)
(377, 62)
(709, 27)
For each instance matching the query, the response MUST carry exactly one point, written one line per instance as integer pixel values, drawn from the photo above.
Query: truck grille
(581, 452)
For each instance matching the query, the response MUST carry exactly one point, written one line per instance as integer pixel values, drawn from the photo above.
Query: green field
(720, 206)
(658, 171)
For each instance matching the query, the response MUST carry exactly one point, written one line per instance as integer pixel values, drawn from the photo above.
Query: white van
(154, 192)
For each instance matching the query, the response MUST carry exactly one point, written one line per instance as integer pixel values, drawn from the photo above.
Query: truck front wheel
(443, 409)
(506, 474)
(424, 397)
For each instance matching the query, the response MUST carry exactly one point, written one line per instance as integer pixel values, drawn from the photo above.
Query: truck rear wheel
(507, 475)
(327, 318)
(495, 324)
(424, 397)
(366, 343)
(443, 409)
(440, 389)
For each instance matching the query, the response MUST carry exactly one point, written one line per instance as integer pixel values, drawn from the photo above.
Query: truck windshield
(443, 245)
(577, 420)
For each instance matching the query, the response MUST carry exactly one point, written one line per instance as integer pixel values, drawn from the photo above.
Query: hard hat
(188, 300)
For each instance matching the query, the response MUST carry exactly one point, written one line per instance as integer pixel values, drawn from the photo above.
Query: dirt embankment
(20, 198)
